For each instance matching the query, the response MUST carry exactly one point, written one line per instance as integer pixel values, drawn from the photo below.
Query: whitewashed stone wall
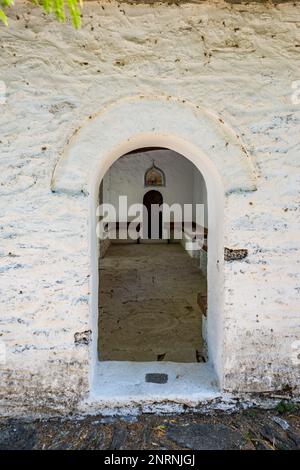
(236, 60)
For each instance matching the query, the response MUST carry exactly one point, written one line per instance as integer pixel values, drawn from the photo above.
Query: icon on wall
(154, 176)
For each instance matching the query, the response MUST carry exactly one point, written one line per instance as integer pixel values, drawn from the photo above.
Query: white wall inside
(184, 182)
(200, 193)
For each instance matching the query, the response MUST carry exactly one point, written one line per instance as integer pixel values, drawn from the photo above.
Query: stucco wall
(236, 60)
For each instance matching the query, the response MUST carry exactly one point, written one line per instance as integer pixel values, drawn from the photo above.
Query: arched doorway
(150, 287)
(152, 200)
(215, 149)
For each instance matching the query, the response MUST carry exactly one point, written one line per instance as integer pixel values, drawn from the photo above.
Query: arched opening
(119, 382)
(153, 282)
(151, 200)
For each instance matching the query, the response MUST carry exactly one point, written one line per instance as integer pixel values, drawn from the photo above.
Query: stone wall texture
(236, 60)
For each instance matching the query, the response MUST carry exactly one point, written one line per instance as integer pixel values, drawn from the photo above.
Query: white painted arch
(215, 199)
(153, 116)
(190, 131)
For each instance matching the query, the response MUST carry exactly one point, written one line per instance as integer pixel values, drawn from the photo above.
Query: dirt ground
(247, 429)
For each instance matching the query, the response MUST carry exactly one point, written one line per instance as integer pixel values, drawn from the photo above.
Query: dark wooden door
(150, 198)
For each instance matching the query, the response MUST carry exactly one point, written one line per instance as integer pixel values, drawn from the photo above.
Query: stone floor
(247, 429)
(148, 304)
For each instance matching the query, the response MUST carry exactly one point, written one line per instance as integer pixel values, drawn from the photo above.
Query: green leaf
(58, 7)
(7, 3)
(74, 13)
(3, 17)
(48, 6)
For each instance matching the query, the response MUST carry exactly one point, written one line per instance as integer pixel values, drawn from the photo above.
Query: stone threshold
(122, 387)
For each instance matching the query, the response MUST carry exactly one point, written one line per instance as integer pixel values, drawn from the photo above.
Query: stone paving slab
(148, 304)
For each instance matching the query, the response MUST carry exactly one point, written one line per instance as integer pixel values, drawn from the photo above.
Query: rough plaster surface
(238, 61)
(153, 117)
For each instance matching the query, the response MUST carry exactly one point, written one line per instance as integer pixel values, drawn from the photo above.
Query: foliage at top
(57, 7)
